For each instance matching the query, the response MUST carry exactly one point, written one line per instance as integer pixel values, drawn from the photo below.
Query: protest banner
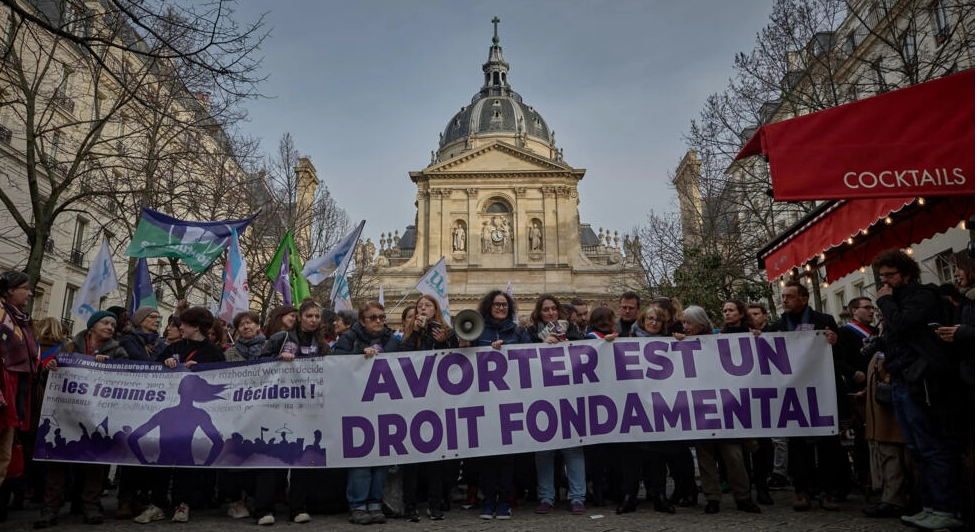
(347, 411)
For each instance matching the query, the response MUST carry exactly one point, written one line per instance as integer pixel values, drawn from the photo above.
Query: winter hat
(141, 314)
(99, 316)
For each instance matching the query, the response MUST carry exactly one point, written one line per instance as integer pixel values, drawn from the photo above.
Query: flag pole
(395, 307)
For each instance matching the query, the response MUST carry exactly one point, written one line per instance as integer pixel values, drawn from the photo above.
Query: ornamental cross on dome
(495, 37)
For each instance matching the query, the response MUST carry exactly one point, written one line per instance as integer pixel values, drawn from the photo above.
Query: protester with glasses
(498, 311)
(370, 337)
(141, 339)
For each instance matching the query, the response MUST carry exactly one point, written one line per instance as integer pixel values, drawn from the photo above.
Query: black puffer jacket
(355, 340)
(906, 335)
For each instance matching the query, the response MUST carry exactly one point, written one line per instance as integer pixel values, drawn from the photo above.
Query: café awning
(916, 141)
(849, 233)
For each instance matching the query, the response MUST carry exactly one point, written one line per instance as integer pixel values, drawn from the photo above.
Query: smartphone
(933, 325)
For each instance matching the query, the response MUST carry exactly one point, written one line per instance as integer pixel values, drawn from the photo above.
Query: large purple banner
(432, 405)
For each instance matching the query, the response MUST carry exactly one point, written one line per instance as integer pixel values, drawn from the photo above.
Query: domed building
(499, 202)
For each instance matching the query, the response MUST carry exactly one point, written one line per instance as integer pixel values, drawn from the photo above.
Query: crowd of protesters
(903, 366)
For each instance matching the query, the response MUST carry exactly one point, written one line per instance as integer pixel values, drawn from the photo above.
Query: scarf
(250, 348)
(804, 317)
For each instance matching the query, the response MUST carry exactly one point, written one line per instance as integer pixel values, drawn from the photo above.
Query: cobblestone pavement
(779, 517)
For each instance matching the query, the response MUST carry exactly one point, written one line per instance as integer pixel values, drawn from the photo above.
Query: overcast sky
(365, 86)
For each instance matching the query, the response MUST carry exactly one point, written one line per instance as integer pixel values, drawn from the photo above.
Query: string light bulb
(865, 232)
(888, 220)
(909, 250)
(851, 241)
(824, 285)
(861, 269)
(921, 201)
(807, 267)
(962, 225)
(782, 283)
(822, 255)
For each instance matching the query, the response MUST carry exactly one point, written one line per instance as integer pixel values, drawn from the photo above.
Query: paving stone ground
(779, 517)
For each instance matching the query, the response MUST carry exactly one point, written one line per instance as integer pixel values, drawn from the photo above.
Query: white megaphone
(468, 325)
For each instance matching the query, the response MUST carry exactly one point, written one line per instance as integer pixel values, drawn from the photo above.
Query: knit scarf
(250, 348)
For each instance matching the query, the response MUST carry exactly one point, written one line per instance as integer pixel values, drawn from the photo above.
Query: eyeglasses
(500, 305)
(153, 316)
(376, 317)
(886, 275)
(656, 320)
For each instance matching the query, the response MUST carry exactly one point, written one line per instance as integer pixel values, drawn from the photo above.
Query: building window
(497, 207)
(841, 300)
(909, 47)
(941, 21)
(943, 268)
(70, 293)
(858, 289)
(78, 242)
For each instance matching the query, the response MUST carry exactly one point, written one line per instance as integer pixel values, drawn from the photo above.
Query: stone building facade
(500, 203)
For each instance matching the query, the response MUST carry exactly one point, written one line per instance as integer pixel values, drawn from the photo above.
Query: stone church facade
(499, 202)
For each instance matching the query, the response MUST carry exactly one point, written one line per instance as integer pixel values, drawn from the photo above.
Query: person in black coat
(364, 485)
(813, 461)
(427, 330)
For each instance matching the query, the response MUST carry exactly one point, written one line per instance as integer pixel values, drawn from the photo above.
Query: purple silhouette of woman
(177, 425)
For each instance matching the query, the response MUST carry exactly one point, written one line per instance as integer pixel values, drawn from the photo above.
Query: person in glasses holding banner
(370, 337)
(425, 329)
(497, 310)
(305, 338)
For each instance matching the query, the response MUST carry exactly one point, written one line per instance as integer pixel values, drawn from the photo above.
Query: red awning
(917, 141)
(828, 230)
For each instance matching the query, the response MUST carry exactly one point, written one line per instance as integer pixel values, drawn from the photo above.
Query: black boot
(628, 505)
(662, 505)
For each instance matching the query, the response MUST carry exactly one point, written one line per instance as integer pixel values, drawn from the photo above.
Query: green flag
(297, 282)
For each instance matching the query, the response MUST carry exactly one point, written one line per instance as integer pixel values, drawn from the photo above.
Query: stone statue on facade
(458, 238)
(535, 238)
(371, 251)
(486, 237)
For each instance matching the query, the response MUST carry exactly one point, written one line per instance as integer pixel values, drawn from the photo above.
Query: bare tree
(115, 105)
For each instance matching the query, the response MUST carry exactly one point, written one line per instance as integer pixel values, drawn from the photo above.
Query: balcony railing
(65, 103)
(76, 257)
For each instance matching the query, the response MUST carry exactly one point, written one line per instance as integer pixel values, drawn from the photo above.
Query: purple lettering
(391, 430)
(790, 410)
(595, 405)
(575, 417)
(817, 420)
(655, 355)
(538, 432)
(380, 380)
(765, 395)
(776, 354)
(671, 414)
(583, 361)
(509, 425)
(471, 414)
(739, 408)
(703, 409)
(417, 436)
(688, 349)
(522, 358)
(492, 367)
(622, 360)
(726, 357)
(351, 424)
(634, 415)
(551, 360)
(417, 384)
(444, 374)
(451, 428)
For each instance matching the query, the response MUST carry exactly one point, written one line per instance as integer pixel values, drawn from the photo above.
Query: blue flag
(143, 294)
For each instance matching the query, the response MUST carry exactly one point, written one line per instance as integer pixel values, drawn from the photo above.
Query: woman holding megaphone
(428, 331)
(497, 310)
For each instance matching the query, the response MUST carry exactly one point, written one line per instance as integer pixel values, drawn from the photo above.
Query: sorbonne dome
(500, 203)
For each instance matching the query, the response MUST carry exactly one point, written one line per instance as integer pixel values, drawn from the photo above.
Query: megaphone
(468, 325)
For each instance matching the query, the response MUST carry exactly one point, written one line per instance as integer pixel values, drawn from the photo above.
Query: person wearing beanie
(18, 362)
(193, 348)
(142, 339)
(97, 341)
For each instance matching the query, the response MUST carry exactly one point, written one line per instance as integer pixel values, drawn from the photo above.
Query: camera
(873, 344)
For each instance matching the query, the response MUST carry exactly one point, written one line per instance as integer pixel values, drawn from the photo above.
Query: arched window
(497, 207)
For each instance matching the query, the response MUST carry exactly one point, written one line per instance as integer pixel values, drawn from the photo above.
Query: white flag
(100, 281)
(234, 298)
(380, 298)
(340, 294)
(508, 291)
(435, 284)
(318, 269)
